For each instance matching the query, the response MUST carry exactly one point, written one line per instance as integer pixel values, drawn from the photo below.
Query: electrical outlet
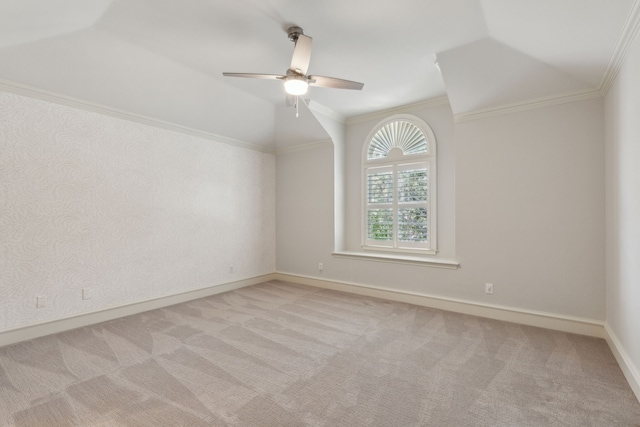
(86, 293)
(488, 288)
(320, 266)
(41, 301)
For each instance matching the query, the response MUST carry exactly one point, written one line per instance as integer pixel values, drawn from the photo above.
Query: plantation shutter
(380, 200)
(413, 194)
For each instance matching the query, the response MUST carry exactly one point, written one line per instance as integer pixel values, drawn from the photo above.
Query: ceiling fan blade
(334, 83)
(255, 76)
(301, 55)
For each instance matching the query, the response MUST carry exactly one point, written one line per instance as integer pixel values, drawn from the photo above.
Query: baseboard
(557, 322)
(630, 371)
(526, 317)
(35, 330)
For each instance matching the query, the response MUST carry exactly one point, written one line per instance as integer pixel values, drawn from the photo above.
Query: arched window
(399, 186)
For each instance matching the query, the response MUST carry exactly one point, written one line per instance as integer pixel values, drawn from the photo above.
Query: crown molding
(625, 40)
(409, 108)
(515, 107)
(305, 147)
(44, 95)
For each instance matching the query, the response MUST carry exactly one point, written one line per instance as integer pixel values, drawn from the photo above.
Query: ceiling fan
(296, 81)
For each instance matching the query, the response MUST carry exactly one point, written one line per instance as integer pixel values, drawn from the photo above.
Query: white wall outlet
(86, 293)
(488, 288)
(320, 266)
(230, 268)
(41, 301)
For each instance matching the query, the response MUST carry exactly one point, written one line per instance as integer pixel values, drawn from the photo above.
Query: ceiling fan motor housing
(294, 33)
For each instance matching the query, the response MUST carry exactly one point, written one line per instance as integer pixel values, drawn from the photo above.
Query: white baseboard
(630, 371)
(557, 322)
(35, 330)
(526, 317)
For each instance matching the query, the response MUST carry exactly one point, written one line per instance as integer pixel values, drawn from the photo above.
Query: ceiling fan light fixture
(296, 85)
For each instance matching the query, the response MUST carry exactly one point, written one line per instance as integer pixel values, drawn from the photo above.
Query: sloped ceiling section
(24, 21)
(294, 131)
(533, 50)
(575, 36)
(94, 65)
(488, 73)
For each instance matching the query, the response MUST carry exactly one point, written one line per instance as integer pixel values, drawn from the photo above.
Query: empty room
(330, 213)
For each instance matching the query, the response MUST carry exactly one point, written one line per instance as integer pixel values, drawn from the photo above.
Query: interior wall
(623, 208)
(334, 126)
(305, 209)
(520, 200)
(530, 208)
(129, 211)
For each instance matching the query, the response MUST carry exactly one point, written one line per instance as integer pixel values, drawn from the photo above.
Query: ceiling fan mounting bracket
(294, 33)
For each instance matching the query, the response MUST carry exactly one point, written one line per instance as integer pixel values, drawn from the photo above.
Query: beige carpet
(278, 354)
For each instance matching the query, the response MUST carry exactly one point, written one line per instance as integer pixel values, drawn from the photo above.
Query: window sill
(402, 252)
(400, 259)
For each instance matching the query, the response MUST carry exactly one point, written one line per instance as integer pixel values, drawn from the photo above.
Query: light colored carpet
(278, 354)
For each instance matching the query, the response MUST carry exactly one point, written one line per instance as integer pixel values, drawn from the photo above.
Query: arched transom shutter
(398, 134)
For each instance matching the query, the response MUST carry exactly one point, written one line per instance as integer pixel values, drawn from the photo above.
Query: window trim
(396, 159)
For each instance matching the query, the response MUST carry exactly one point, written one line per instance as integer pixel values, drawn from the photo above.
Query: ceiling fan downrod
(294, 33)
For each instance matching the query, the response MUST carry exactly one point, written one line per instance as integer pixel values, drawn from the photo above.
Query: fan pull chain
(297, 111)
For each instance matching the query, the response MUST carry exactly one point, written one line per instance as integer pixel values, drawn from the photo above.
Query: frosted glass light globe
(296, 86)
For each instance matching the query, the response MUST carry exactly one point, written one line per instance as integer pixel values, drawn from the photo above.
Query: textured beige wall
(521, 205)
(530, 208)
(623, 209)
(131, 211)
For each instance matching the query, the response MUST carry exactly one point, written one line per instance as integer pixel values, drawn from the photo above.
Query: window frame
(396, 160)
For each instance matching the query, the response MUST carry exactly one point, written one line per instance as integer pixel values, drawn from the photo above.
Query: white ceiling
(164, 59)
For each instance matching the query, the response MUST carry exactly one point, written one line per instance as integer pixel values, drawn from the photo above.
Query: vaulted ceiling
(164, 59)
